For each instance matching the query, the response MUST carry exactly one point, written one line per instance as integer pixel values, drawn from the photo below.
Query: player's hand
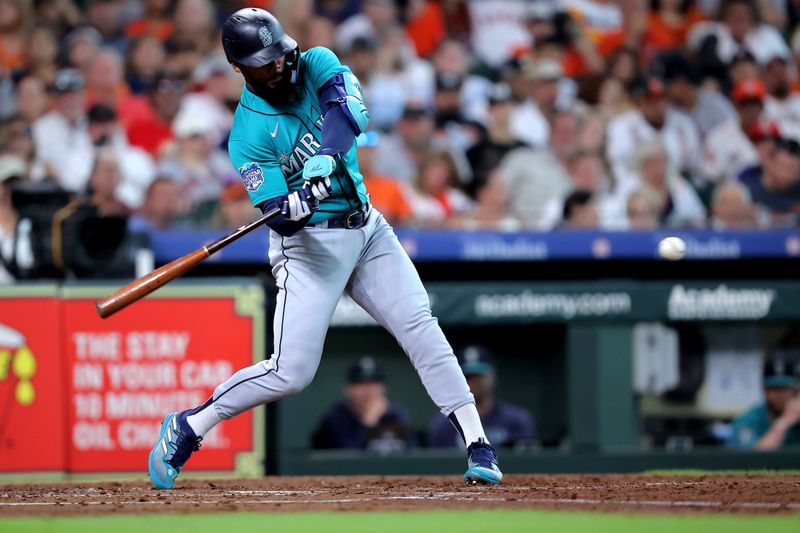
(318, 170)
(791, 412)
(321, 187)
(299, 204)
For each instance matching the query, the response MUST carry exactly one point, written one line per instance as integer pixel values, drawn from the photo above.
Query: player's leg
(311, 270)
(386, 284)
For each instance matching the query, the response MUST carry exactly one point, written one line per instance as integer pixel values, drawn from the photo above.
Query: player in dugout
(293, 143)
(775, 423)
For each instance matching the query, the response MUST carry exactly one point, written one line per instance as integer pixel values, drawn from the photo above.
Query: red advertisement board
(159, 355)
(32, 411)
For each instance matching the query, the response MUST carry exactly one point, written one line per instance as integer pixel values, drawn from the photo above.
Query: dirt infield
(756, 494)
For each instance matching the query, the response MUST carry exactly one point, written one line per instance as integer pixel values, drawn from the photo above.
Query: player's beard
(279, 93)
(275, 90)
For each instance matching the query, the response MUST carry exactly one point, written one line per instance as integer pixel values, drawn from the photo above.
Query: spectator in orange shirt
(425, 26)
(157, 21)
(385, 193)
(669, 22)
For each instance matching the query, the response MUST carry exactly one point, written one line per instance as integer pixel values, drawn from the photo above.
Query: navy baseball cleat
(482, 464)
(175, 444)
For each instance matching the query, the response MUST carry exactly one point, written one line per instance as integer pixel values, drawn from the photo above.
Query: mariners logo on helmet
(252, 176)
(265, 35)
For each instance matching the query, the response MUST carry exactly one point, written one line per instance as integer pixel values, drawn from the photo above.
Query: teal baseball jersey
(748, 428)
(270, 144)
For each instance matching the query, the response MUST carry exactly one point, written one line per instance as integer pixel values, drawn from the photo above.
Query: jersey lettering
(300, 155)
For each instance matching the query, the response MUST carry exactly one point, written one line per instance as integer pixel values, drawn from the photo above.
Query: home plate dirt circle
(751, 494)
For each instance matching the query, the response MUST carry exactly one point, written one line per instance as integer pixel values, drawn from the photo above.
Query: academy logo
(720, 303)
(252, 176)
(265, 36)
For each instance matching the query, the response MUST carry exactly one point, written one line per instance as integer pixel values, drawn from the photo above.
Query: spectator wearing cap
(137, 167)
(775, 185)
(738, 28)
(775, 423)
(485, 155)
(63, 145)
(732, 208)
(781, 104)
(653, 119)
(530, 118)
(728, 149)
(148, 119)
(386, 194)
(506, 425)
(400, 153)
(707, 108)
(196, 164)
(365, 419)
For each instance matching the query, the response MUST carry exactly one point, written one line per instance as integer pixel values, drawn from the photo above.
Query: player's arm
(343, 109)
(262, 177)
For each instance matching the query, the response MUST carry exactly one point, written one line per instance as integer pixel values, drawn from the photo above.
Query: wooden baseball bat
(139, 288)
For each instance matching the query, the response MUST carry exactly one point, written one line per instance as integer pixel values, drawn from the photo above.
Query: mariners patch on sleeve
(252, 176)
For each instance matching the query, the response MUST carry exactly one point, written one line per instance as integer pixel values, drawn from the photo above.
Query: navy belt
(355, 219)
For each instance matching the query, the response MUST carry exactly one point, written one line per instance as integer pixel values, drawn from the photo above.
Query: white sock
(203, 421)
(470, 422)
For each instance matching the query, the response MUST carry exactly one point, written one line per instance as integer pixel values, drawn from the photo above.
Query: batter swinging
(293, 142)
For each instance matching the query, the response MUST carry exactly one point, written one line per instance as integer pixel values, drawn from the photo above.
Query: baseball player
(293, 142)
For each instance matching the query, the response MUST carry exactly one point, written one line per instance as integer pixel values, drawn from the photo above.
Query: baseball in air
(672, 248)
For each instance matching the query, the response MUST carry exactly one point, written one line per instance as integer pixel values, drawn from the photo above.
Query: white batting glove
(321, 187)
(297, 205)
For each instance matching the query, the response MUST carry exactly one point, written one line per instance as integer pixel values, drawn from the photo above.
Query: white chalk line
(442, 497)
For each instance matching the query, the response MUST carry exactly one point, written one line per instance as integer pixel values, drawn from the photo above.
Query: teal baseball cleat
(482, 464)
(174, 446)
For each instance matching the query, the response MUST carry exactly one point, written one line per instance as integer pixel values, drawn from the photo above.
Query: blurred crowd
(497, 114)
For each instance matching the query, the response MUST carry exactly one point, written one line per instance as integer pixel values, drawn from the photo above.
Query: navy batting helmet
(253, 37)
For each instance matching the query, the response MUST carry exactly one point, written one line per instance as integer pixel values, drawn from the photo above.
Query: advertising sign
(159, 355)
(32, 410)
